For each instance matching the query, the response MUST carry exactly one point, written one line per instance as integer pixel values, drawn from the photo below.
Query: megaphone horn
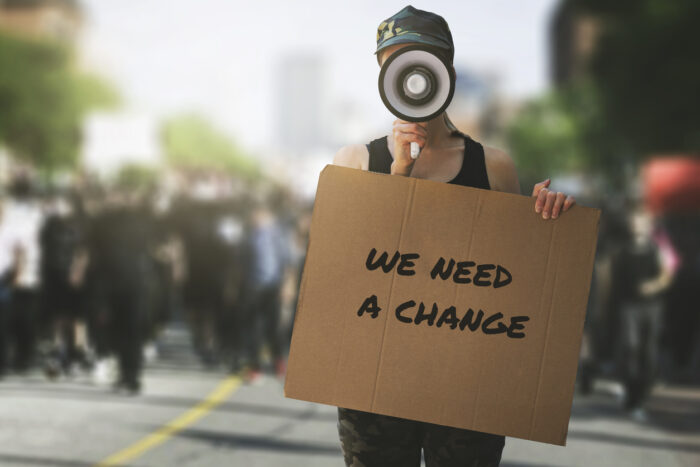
(416, 85)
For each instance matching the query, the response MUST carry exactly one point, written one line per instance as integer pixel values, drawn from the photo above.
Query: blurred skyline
(225, 65)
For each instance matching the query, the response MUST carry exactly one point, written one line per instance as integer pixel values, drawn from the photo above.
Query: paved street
(78, 423)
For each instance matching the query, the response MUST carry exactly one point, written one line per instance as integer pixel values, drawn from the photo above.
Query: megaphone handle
(415, 150)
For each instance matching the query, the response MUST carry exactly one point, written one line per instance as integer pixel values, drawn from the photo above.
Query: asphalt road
(192, 417)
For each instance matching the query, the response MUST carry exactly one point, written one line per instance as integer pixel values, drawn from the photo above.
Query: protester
(681, 317)
(121, 273)
(7, 274)
(268, 252)
(62, 261)
(211, 230)
(447, 155)
(21, 256)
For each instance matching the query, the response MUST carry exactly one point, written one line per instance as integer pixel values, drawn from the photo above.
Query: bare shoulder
(501, 170)
(354, 156)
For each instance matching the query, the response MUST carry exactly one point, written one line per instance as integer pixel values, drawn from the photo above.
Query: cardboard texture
(512, 375)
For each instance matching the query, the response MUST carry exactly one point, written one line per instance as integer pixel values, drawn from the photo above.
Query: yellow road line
(216, 397)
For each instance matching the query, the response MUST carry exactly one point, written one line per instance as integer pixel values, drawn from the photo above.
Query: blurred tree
(645, 65)
(563, 131)
(135, 177)
(634, 96)
(43, 99)
(600, 149)
(544, 139)
(93, 92)
(190, 141)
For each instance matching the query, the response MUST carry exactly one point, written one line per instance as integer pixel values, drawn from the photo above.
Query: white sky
(218, 57)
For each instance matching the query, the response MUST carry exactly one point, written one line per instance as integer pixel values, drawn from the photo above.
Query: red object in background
(672, 184)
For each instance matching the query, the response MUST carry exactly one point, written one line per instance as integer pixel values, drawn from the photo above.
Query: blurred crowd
(91, 275)
(642, 324)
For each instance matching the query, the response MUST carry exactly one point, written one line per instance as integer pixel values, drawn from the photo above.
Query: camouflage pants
(371, 440)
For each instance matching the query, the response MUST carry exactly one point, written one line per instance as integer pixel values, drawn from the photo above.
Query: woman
(447, 155)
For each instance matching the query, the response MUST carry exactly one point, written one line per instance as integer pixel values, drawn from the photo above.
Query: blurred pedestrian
(63, 254)
(7, 278)
(211, 231)
(269, 256)
(301, 243)
(681, 334)
(19, 240)
(120, 274)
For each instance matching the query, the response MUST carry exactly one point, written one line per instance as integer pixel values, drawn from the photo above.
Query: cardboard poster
(442, 303)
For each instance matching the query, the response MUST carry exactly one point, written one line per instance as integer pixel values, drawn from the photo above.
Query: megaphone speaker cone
(415, 84)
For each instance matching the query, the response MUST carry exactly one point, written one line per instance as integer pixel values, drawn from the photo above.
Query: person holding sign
(450, 156)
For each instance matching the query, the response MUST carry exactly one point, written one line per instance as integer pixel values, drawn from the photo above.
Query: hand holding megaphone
(409, 138)
(416, 85)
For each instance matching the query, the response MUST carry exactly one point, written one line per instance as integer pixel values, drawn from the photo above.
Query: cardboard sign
(441, 303)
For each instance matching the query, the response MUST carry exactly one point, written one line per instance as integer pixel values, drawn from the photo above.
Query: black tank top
(472, 173)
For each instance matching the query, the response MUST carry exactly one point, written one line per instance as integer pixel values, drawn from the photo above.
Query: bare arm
(501, 171)
(354, 156)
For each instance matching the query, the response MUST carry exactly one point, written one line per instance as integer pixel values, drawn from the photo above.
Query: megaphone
(416, 85)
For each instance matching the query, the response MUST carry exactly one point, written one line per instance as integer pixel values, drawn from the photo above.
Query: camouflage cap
(412, 25)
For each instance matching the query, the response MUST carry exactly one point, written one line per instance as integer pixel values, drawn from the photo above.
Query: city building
(572, 39)
(59, 20)
(301, 103)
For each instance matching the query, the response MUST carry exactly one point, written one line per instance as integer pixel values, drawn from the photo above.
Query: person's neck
(438, 132)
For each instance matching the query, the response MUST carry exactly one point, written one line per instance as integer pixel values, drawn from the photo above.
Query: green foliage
(93, 92)
(38, 118)
(192, 142)
(544, 138)
(601, 150)
(566, 130)
(42, 101)
(134, 177)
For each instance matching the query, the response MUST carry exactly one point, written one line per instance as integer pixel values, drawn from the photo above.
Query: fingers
(538, 187)
(558, 203)
(423, 125)
(408, 132)
(545, 202)
(548, 203)
(406, 138)
(541, 198)
(408, 127)
(552, 203)
(570, 201)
